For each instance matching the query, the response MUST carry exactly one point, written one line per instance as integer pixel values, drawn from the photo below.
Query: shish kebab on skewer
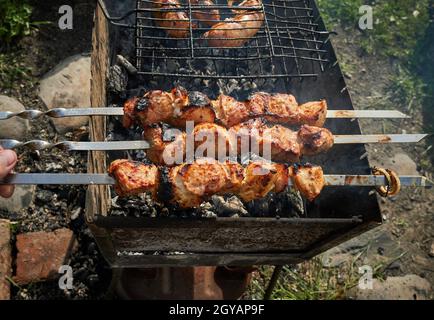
(158, 144)
(276, 143)
(189, 184)
(186, 185)
(178, 106)
(380, 181)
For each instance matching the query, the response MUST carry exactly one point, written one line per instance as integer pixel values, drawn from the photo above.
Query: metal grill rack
(289, 44)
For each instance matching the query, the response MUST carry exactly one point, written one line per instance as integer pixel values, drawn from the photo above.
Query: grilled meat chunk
(165, 150)
(191, 184)
(236, 31)
(130, 112)
(194, 183)
(175, 107)
(133, 178)
(207, 16)
(309, 180)
(179, 106)
(314, 140)
(261, 179)
(175, 21)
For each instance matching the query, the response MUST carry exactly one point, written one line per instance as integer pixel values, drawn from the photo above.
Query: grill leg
(185, 283)
(273, 281)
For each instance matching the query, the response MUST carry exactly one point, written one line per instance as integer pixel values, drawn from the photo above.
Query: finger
(8, 159)
(6, 191)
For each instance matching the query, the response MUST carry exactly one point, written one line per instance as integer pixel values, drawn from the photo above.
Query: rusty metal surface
(250, 235)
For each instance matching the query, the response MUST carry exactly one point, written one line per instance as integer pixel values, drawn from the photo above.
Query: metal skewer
(142, 145)
(75, 146)
(105, 179)
(113, 111)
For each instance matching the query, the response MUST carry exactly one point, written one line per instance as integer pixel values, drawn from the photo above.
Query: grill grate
(289, 44)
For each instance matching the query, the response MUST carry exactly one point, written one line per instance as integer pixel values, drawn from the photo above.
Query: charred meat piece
(198, 110)
(235, 32)
(130, 112)
(172, 107)
(312, 113)
(275, 143)
(179, 106)
(191, 184)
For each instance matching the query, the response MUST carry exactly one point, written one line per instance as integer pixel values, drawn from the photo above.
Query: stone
(41, 254)
(377, 245)
(409, 287)
(422, 262)
(22, 198)
(335, 260)
(5, 259)
(401, 163)
(13, 128)
(67, 86)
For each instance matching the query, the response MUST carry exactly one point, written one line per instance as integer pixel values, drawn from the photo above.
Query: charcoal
(118, 80)
(127, 65)
(228, 207)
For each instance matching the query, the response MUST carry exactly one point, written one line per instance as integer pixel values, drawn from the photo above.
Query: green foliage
(344, 12)
(398, 24)
(14, 20)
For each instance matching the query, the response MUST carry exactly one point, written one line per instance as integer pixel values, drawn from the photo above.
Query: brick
(40, 254)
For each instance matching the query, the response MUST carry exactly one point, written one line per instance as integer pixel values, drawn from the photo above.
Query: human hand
(8, 160)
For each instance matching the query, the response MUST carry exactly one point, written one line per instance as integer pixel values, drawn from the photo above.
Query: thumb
(8, 159)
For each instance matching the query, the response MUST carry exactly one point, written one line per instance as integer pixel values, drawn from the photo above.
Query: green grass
(310, 280)
(399, 25)
(407, 88)
(307, 281)
(343, 12)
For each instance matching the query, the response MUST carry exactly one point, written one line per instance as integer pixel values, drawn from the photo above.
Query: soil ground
(410, 215)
